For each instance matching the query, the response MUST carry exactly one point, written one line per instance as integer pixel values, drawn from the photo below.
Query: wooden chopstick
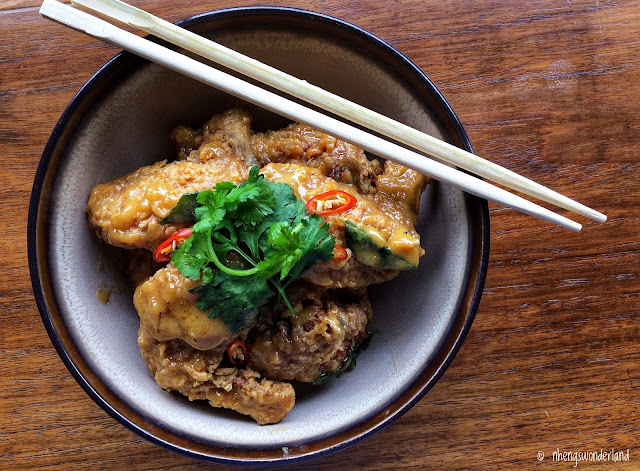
(122, 12)
(100, 29)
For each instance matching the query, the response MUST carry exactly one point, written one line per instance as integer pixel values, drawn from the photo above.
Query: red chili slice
(163, 252)
(331, 202)
(339, 253)
(237, 352)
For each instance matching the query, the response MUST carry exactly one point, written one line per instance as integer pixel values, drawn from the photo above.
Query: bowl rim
(40, 273)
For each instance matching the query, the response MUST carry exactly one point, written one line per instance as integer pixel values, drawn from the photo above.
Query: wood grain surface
(546, 88)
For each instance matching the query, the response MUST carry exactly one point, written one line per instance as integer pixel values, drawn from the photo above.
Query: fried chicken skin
(197, 374)
(127, 212)
(393, 230)
(317, 340)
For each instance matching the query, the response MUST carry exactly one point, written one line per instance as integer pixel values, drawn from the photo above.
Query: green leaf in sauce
(368, 252)
(349, 362)
(183, 211)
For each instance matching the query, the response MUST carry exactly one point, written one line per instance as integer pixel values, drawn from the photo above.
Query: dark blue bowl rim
(275, 455)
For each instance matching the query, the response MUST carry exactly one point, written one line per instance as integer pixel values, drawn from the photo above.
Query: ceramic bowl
(121, 119)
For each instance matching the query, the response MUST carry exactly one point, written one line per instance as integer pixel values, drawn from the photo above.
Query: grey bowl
(121, 119)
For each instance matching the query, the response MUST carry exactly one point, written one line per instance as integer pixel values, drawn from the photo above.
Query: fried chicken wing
(177, 366)
(335, 158)
(126, 212)
(168, 310)
(183, 348)
(394, 232)
(327, 325)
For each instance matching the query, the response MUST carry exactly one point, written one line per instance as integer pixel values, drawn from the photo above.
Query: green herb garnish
(248, 240)
(349, 362)
(184, 210)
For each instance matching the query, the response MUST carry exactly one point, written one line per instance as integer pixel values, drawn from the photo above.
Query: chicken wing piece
(183, 348)
(335, 158)
(327, 325)
(396, 187)
(398, 191)
(227, 133)
(127, 211)
(196, 374)
(383, 238)
(168, 311)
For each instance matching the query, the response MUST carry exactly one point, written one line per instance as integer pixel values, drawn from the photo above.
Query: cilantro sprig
(248, 240)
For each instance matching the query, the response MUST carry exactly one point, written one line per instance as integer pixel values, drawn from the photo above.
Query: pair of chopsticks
(120, 12)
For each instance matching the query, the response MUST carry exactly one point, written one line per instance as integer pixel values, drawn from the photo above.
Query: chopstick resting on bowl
(124, 13)
(100, 29)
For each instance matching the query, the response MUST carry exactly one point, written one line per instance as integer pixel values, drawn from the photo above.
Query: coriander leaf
(287, 208)
(248, 239)
(226, 295)
(207, 275)
(251, 203)
(285, 245)
(190, 257)
(317, 245)
(224, 187)
(211, 210)
(250, 216)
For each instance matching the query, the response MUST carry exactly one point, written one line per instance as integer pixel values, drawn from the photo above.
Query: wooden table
(547, 88)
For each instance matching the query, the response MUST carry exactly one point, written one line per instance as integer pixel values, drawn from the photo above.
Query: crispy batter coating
(398, 191)
(335, 158)
(327, 325)
(179, 367)
(126, 212)
(168, 310)
(225, 134)
(401, 237)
